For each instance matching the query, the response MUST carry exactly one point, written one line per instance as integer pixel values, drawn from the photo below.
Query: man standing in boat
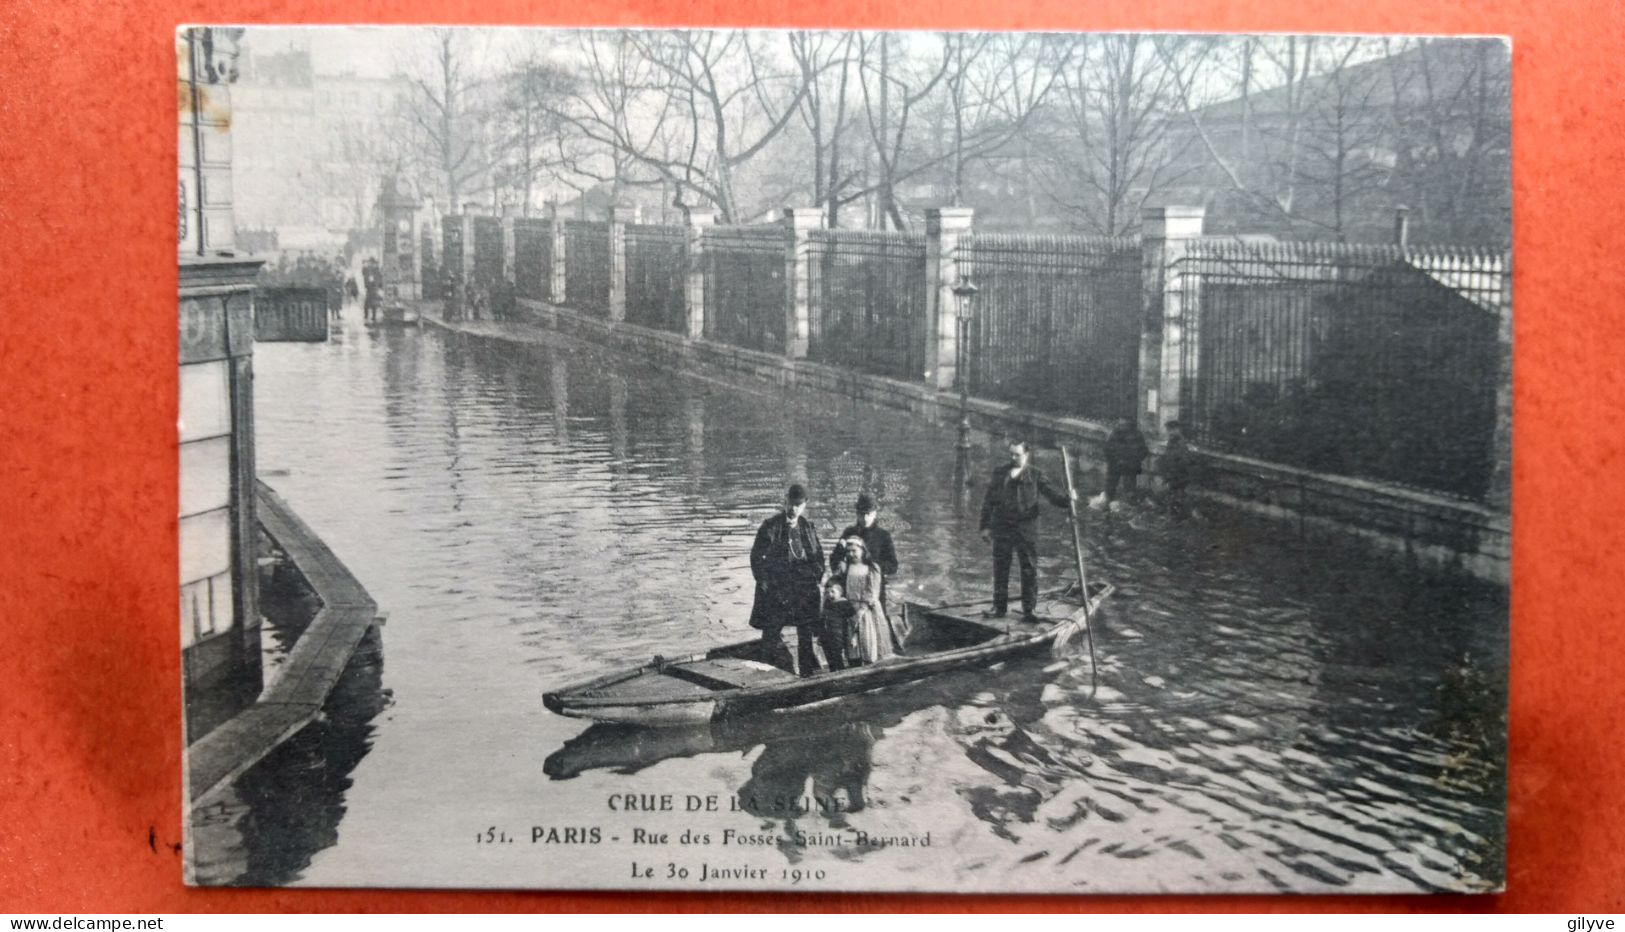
(1010, 521)
(788, 563)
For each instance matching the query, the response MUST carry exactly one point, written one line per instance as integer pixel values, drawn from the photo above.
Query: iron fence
(868, 294)
(656, 273)
(745, 297)
(487, 251)
(533, 258)
(1371, 362)
(451, 241)
(1056, 323)
(586, 266)
(431, 283)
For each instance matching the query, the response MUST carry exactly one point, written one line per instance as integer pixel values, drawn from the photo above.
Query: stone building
(310, 148)
(219, 617)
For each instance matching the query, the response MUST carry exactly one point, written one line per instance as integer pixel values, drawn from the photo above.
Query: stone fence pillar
(509, 270)
(555, 246)
(1166, 294)
(944, 226)
(695, 220)
(1500, 490)
(465, 224)
(619, 216)
(798, 224)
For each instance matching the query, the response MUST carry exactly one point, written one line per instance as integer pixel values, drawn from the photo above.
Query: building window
(205, 500)
(205, 475)
(205, 400)
(205, 545)
(206, 608)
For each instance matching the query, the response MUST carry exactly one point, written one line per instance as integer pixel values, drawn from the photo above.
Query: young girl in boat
(858, 610)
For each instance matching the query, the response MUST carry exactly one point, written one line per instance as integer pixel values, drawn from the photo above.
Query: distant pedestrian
(1126, 452)
(373, 281)
(1010, 522)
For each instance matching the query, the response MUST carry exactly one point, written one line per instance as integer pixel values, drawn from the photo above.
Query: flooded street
(1272, 714)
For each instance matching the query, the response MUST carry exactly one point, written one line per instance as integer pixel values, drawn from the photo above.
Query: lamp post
(964, 298)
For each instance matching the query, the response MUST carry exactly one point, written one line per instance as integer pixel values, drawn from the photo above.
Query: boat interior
(925, 630)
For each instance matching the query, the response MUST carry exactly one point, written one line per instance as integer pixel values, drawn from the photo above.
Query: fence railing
(1362, 361)
(1057, 322)
(745, 296)
(656, 270)
(431, 282)
(533, 258)
(587, 266)
(487, 252)
(451, 239)
(867, 295)
(1369, 362)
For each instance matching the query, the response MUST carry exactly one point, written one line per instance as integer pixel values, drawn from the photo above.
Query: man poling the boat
(1010, 522)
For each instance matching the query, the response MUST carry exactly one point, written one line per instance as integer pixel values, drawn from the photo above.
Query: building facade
(219, 613)
(311, 147)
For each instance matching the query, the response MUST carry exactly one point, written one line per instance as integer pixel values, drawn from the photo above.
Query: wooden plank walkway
(312, 667)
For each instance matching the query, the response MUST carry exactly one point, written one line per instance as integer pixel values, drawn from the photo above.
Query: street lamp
(964, 299)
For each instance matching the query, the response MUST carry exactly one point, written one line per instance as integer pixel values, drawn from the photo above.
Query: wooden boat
(735, 680)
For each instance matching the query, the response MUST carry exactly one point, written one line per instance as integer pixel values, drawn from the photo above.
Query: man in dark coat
(1010, 521)
(788, 563)
(1125, 453)
(373, 280)
(876, 539)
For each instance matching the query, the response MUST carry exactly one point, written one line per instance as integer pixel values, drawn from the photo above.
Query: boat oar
(1083, 578)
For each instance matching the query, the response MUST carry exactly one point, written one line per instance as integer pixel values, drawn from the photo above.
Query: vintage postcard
(835, 461)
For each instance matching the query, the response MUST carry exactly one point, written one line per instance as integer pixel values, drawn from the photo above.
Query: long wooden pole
(1077, 553)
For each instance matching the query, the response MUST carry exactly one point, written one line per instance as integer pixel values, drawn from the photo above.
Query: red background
(90, 734)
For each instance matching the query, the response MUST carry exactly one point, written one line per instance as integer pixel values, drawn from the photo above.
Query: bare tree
(1346, 135)
(531, 134)
(1303, 144)
(611, 111)
(891, 93)
(997, 83)
(447, 128)
(936, 115)
(688, 108)
(1110, 144)
(827, 62)
(1452, 106)
(359, 154)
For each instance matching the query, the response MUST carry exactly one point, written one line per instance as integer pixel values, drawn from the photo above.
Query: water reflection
(1272, 712)
(264, 829)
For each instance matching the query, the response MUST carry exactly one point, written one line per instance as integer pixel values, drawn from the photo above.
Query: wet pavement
(1272, 713)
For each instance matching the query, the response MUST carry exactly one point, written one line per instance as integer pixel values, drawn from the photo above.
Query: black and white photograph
(829, 461)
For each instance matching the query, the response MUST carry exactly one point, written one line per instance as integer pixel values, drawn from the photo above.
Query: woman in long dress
(870, 637)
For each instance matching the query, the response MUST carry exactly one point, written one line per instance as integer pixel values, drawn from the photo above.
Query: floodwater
(1271, 713)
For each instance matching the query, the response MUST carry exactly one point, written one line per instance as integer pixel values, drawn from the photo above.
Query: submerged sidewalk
(1433, 529)
(311, 669)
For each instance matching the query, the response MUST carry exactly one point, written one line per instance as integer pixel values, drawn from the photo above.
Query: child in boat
(839, 618)
(870, 637)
